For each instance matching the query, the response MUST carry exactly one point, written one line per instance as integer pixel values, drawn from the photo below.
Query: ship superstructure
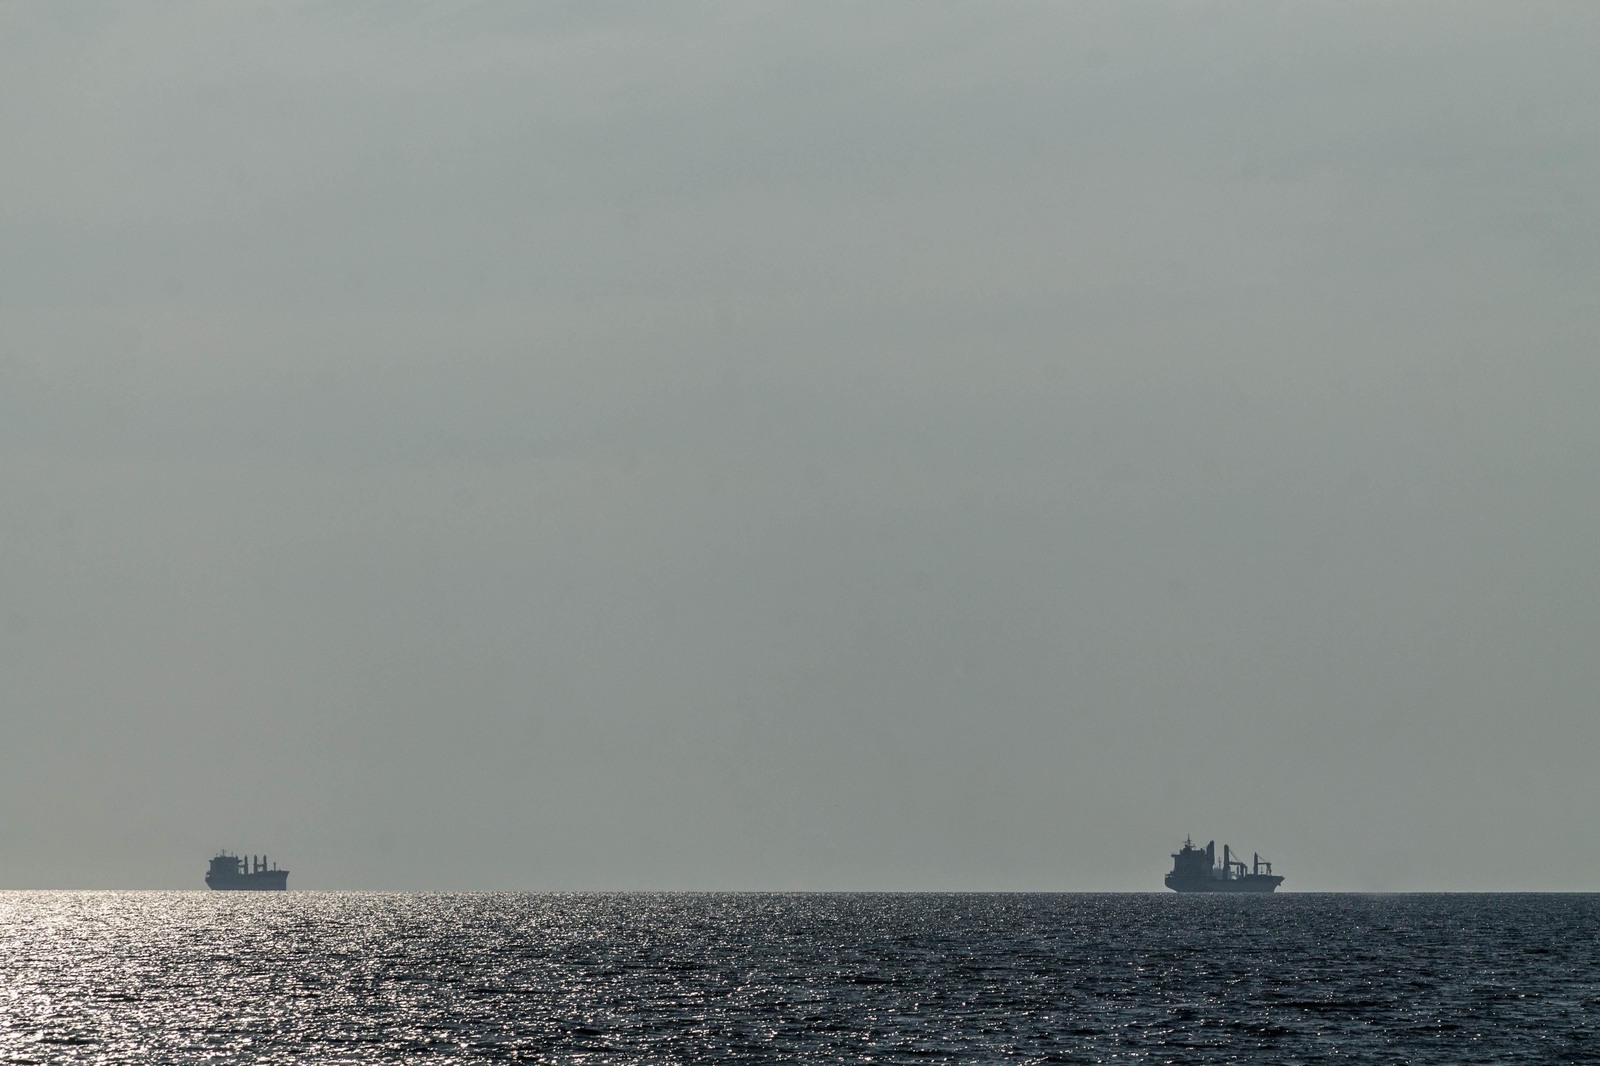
(1197, 870)
(230, 873)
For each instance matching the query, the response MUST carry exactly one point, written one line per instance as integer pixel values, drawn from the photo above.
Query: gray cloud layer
(792, 446)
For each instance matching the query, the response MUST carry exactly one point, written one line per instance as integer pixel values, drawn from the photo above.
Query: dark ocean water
(315, 978)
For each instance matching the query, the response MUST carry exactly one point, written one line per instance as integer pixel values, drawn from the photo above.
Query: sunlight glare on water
(351, 977)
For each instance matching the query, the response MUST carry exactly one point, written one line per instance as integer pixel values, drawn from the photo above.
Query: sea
(309, 977)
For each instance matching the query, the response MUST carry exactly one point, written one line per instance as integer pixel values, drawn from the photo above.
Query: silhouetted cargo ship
(230, 873)
(1196, 870)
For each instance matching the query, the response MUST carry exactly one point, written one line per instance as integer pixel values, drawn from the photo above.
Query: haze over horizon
(475, 445)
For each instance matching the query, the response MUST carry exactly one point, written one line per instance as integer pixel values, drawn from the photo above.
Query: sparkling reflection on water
(360, 977)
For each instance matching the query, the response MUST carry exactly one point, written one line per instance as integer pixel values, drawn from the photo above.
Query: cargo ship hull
(270, 881)
(1265, 884)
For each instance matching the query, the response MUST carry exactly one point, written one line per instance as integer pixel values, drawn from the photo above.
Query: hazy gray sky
(799, 446)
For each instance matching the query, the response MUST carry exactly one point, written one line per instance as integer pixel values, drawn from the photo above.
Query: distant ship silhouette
(230, 873)
(1196, 870)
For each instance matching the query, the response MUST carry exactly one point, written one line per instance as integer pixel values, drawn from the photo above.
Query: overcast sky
(799, 446)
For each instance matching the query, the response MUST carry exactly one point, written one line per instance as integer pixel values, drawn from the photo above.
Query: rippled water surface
(312, 977)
